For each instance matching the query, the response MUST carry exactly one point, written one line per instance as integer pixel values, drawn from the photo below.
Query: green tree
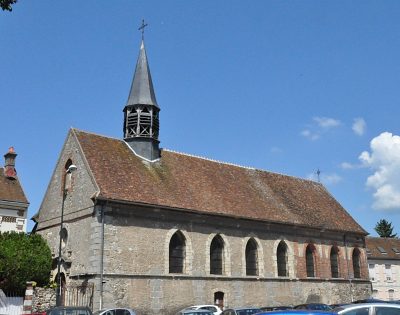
(7, 4)
(385, 229)
(23, 258)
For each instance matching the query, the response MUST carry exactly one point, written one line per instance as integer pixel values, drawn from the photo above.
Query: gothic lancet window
(310, 261)
(177, 248)
(216, 255)
(356, 263)
(281, 259)
(251, 258)
(334, 262)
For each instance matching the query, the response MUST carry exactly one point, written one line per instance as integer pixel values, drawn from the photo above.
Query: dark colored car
(69, 310)
(241, 311)
(313, 306)
(298, 312)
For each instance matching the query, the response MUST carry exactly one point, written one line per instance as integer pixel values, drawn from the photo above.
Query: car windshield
(248, 311)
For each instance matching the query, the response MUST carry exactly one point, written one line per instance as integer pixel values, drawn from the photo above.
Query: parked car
(69, 310)
(313, 306)
(369, 309)
(298, 312)
(194, 312)
(275, 308)
(372, 300)
(208, 307)
(241, 311)
(116, 311)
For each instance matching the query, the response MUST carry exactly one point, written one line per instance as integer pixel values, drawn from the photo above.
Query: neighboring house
(384, 267)
(13, 203)
(159, 230)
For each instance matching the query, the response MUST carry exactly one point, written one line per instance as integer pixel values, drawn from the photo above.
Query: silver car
(369, 309)
(116, 311)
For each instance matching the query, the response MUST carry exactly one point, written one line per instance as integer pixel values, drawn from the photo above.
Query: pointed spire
(142, 91)
(141, 113)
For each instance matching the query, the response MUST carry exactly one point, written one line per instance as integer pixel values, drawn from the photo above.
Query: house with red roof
(13, 202)
(159, 230)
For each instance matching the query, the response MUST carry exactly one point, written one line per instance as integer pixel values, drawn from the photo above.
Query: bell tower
(141, 113)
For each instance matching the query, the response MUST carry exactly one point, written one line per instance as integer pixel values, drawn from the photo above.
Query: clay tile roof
(383, 248)
(185, 182)
(10, 189)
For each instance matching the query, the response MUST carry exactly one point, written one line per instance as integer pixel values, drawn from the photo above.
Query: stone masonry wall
(136, 270)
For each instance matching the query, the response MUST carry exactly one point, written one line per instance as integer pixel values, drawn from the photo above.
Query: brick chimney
(9, 165)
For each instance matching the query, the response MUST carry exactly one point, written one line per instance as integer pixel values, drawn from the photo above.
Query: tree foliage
(385, 229)
(7, 4)
(23, 258)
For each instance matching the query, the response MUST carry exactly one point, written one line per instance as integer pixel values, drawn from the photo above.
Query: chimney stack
(9, 166)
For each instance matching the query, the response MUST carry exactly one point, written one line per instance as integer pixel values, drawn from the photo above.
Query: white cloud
(327, 179)
(384, 162)
(347, 166)
(319, 126)
(276, 150)
(326, 122)
(359, 126)
(310, 135)
(350, 166)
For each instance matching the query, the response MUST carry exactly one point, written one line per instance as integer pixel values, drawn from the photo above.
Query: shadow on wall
(313, 298)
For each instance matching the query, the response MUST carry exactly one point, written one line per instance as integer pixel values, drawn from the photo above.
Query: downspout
(348, 267)
(102, 254)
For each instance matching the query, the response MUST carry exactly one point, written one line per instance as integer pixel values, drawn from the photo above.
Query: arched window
(177, 249)
(356, 263)
(310, 261)
(251, 258)
(334, 262)
(216, 255)
(281, 259)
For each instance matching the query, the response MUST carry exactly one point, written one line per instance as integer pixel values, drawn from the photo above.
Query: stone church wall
(78, 213)
(136, 263)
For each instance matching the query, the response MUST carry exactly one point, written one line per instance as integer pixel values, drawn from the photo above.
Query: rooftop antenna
(318, 173)
(141, 28)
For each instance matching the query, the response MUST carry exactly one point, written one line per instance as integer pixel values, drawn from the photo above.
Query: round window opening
(64, 237)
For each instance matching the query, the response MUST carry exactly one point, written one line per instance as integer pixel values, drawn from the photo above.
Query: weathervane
(318, 173)
(141, 28)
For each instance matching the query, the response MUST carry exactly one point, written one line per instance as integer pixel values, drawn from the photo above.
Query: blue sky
(284, 86)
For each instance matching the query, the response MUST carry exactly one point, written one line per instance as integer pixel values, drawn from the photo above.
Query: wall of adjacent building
(385, 278)
(12, 220)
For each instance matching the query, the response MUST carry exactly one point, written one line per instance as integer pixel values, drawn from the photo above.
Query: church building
(158, 230)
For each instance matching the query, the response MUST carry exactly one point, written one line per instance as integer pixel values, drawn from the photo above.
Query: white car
(116, 311)
(212, 308)
(368, 309)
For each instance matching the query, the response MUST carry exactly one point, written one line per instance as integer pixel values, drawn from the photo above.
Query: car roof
(361, 305)
(300, 312)
(370, 304)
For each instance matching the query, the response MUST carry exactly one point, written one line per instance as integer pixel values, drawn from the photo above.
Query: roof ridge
(242, 166)
(238, 165)
(96, 134)
(212, 160)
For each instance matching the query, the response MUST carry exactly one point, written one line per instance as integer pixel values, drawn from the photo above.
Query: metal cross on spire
(318, 173)
(141, 28)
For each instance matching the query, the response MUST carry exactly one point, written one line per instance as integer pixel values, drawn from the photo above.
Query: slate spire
(142, 90)
(141, 122)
